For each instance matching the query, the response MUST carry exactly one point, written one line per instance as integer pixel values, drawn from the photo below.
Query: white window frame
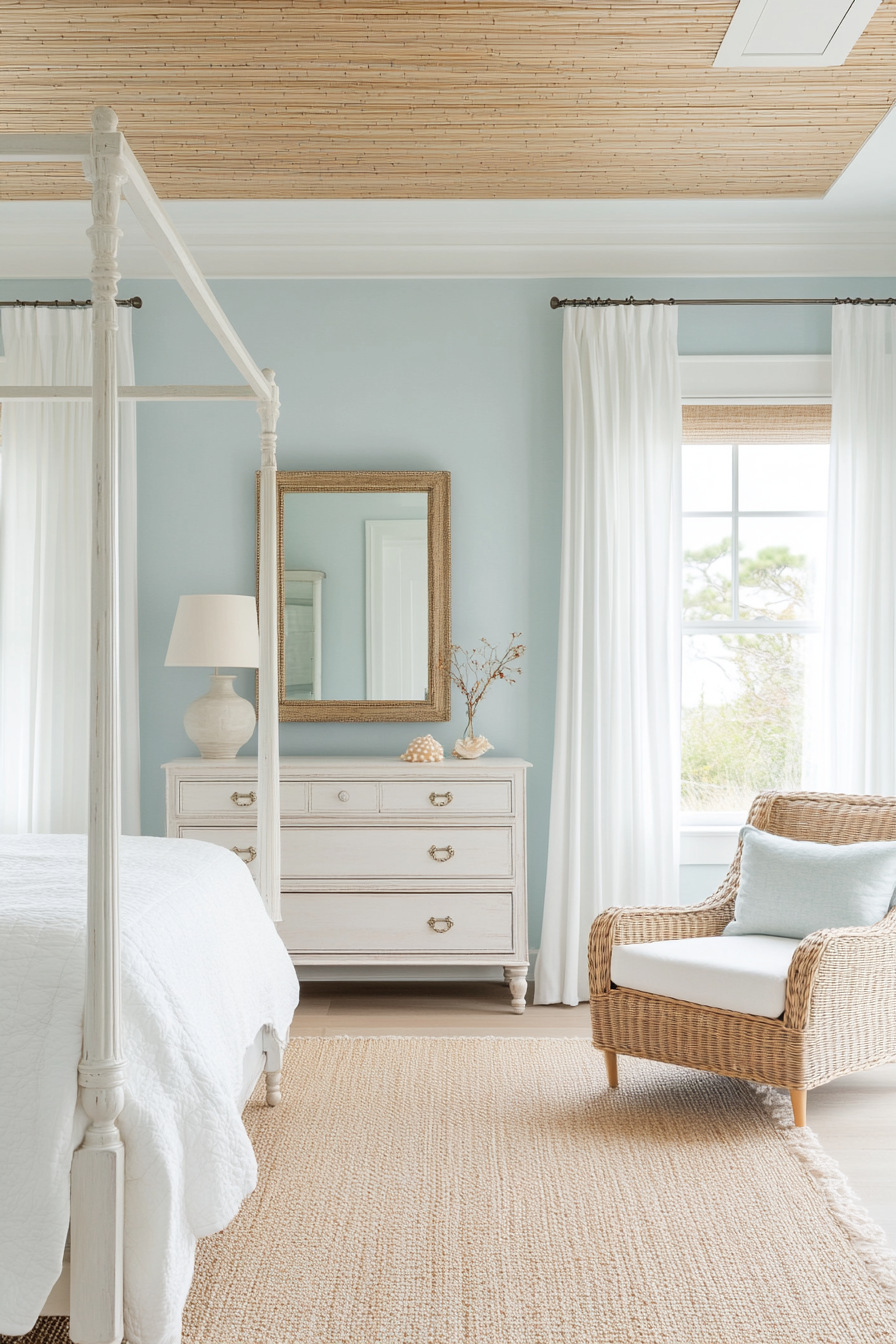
(737, 380)
(703, 827)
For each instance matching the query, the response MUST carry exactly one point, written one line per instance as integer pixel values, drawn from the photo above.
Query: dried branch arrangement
(474, 671)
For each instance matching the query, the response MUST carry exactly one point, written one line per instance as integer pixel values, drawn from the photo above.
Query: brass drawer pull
(249, 797)
(250, 850)
(433, 922)
(445, 797)
(441, 853)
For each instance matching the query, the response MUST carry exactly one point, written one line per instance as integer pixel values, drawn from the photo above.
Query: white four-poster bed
(97, 1170)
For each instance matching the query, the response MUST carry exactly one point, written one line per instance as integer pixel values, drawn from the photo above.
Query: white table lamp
(216, 630)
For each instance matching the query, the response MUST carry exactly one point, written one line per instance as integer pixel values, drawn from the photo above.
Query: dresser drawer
(477, 797)
(398, 923)
(243, 840)
(437, 853)
(234, 797)
(343, 795)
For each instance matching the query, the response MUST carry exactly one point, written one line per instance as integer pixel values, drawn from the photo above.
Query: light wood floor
(855, 1117)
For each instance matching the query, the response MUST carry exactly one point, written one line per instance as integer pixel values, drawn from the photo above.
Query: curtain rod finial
(555, 302)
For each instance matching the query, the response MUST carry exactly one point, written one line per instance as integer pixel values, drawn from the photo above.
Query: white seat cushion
(746, 974)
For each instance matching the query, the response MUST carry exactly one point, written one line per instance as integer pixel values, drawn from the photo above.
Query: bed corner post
(268, 659)
(97, 1215)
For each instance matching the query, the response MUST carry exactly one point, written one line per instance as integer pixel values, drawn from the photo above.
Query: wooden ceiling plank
(436, 98)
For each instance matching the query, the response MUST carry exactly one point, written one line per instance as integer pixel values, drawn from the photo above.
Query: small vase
(468, 748)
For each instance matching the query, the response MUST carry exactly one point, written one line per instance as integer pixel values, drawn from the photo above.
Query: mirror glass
(355, 591)
(364, 580)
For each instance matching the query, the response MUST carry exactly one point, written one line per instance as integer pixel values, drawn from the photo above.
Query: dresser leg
(515, 977)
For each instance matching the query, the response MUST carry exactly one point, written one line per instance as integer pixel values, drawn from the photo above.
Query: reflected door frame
(315, 577)
(393, 598)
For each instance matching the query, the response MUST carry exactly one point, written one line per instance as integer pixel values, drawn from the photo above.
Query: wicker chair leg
(612, 1071)
(798, 1102)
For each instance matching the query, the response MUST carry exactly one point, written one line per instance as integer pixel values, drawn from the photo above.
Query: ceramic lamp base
(219, 722)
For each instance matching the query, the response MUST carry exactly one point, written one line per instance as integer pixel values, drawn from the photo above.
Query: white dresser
(383, 861)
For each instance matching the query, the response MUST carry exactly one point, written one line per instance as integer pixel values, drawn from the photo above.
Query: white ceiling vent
(794, 32)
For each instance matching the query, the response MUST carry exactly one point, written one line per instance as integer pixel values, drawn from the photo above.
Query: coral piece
(423, 749)
(468, 748)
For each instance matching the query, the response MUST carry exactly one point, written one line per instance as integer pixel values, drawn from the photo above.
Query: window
(754, 521)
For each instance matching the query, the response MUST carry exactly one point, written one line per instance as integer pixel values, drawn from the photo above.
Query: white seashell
(468, 748)
(423, 749)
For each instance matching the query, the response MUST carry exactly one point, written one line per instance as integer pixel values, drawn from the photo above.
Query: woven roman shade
(756, 424)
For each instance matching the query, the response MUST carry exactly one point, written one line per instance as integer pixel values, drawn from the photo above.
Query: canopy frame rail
(97, 1225)
(162, 392)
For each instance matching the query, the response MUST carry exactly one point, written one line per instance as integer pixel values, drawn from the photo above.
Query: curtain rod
(65, 303)
(680, 303)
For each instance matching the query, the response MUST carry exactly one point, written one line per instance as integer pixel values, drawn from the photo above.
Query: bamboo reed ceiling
(433, 98)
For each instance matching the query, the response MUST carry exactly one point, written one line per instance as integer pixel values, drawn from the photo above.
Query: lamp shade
(214, 630)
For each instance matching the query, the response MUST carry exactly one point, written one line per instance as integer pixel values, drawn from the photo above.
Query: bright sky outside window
(753, 593)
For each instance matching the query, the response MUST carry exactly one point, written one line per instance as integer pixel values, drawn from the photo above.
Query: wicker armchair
(840, 1005)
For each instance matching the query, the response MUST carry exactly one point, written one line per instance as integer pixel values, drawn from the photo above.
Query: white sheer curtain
(859, 679)
(614, 802)
(45, 526)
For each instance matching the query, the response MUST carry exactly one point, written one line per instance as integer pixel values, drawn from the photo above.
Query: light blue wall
(457, 375)
(700, 880)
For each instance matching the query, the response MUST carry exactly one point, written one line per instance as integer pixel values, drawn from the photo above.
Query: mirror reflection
(355, 595)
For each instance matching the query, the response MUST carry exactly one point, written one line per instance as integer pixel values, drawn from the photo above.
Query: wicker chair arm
(836, 972)
(650, 924)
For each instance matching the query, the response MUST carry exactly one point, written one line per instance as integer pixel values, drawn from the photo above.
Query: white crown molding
(384, 239)
(852, 231)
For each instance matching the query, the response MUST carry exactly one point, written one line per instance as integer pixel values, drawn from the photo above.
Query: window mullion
(735, 536)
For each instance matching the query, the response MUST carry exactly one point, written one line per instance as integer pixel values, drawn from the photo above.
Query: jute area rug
(494, 1191)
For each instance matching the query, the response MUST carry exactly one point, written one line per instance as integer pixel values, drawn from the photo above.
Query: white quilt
(203, 968)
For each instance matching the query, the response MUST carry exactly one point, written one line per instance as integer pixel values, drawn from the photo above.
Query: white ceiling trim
(314, 239)
(767, 380)
(852, 231)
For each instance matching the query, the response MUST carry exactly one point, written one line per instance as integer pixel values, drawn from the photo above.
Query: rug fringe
(868, 1240)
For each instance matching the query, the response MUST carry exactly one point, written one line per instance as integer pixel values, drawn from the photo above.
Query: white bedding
(203, 968)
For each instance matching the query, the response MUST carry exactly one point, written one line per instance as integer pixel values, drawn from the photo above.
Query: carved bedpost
(98, 1165)
(268, 659)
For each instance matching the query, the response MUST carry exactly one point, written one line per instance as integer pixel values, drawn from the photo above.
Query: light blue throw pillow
(790, 888)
